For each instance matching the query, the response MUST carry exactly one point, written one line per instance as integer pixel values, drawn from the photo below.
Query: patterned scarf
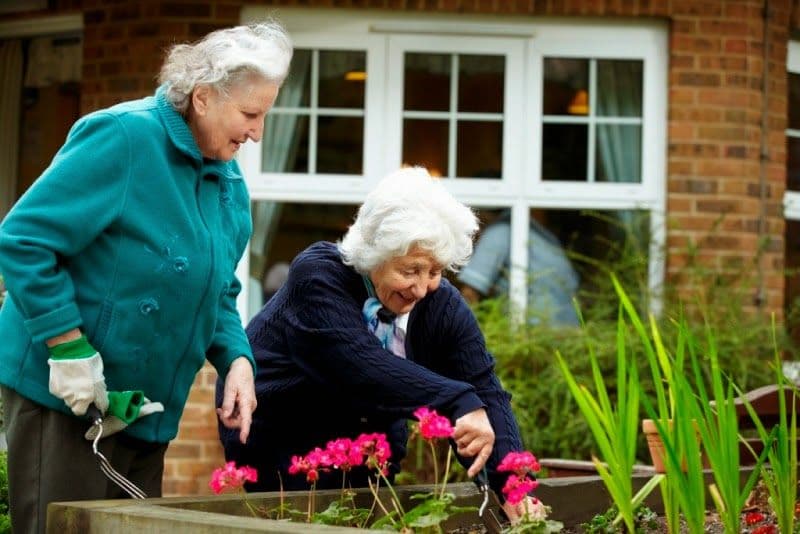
(383, 323)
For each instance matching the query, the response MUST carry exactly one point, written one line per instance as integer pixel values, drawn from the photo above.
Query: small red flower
(753, 518)
(432, 425)
(764, 529)
(231, 477)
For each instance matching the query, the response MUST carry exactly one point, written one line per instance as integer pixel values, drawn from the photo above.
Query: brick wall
(716, 126)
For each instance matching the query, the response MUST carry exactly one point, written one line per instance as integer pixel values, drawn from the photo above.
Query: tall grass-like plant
(676, 486)
(780, 478)
(718, 426)
(683, 488)
(614, 426)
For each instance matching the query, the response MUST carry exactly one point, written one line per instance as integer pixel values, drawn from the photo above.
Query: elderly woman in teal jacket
(119, 263)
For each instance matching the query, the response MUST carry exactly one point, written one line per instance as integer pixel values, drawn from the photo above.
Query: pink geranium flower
(376, 450)
(519, 463)
(231, 477)
(344, 454)
(517, 488)
(432, 425)
(315, 461)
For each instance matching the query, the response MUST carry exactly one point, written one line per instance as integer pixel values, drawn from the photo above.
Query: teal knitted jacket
(131, 236)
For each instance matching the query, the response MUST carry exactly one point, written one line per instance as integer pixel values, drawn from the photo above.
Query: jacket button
(180, 264)
(146, 306)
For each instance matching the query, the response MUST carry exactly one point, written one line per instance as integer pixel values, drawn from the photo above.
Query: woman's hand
(239, 398)
(474, 437)
(528, 505)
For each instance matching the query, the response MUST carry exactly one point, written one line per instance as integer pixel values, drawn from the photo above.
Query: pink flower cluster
(371, 450)
(231, 477)
(432, 425)
(519, 484)
(519, 463)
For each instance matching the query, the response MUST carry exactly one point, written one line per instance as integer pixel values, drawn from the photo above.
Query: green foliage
(5, 517)
(645, 521)
(543, 404)
(342, 512)
(613, 426)
(780, 478)
(525, 354)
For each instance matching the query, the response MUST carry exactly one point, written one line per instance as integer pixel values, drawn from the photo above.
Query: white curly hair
(409, 208)
(224, 58)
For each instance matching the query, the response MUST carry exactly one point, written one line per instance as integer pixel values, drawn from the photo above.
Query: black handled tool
(490, 520)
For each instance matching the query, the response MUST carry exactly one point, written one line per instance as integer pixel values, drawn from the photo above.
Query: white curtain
(619, 94)
(10, 97)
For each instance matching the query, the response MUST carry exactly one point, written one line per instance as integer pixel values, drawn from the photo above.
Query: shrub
(525, 354)
(5, 518)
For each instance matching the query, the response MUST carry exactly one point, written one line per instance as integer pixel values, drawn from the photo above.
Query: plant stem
(248, 503)
(446, 471)
(435, 465)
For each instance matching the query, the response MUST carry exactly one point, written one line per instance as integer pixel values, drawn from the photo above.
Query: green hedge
(5, 518)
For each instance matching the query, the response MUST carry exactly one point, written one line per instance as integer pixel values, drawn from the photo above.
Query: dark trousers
(49, 460)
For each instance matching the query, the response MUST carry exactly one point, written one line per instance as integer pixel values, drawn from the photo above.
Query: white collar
(401, 322)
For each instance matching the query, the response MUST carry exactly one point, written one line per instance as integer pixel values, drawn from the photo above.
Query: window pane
(425, 143)
(296, 90)
(794, 100)
(342, 76)
(566, 86)
(480, 83)
(619, 153)
(427, 82)
(619, 88)
(280, 232)
(793, 163)
(564, 149)
(340, 145)
(480, 149)
(285, 145)
(588, 245)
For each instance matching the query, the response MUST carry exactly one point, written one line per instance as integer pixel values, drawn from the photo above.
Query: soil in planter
(757, 508)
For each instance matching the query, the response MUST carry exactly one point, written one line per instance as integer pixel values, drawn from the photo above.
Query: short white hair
(409, 208)
(224, 58)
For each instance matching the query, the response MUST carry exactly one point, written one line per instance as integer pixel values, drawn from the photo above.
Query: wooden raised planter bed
(228, 514)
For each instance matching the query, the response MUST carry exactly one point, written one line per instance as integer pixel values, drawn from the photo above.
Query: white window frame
(513, 50)
(386, 35)
(791, 199)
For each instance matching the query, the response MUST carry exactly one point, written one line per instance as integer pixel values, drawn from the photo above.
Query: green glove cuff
(125, 404)
(77, 349)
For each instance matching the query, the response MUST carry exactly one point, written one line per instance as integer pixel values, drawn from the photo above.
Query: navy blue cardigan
(322, 375)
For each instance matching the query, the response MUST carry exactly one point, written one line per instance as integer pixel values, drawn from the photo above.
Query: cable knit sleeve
(329, 340)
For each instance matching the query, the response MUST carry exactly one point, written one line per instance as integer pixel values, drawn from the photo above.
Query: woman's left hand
(239, 398)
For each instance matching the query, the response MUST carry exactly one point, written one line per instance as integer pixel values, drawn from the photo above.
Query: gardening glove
(76, 375)
(124, 407)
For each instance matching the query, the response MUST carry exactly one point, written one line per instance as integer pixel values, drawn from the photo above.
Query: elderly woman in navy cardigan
(366, 331)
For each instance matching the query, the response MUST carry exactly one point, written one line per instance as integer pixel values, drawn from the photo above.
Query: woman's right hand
(474, 437)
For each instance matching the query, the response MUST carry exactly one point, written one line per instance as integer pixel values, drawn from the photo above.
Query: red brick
(699, 78)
